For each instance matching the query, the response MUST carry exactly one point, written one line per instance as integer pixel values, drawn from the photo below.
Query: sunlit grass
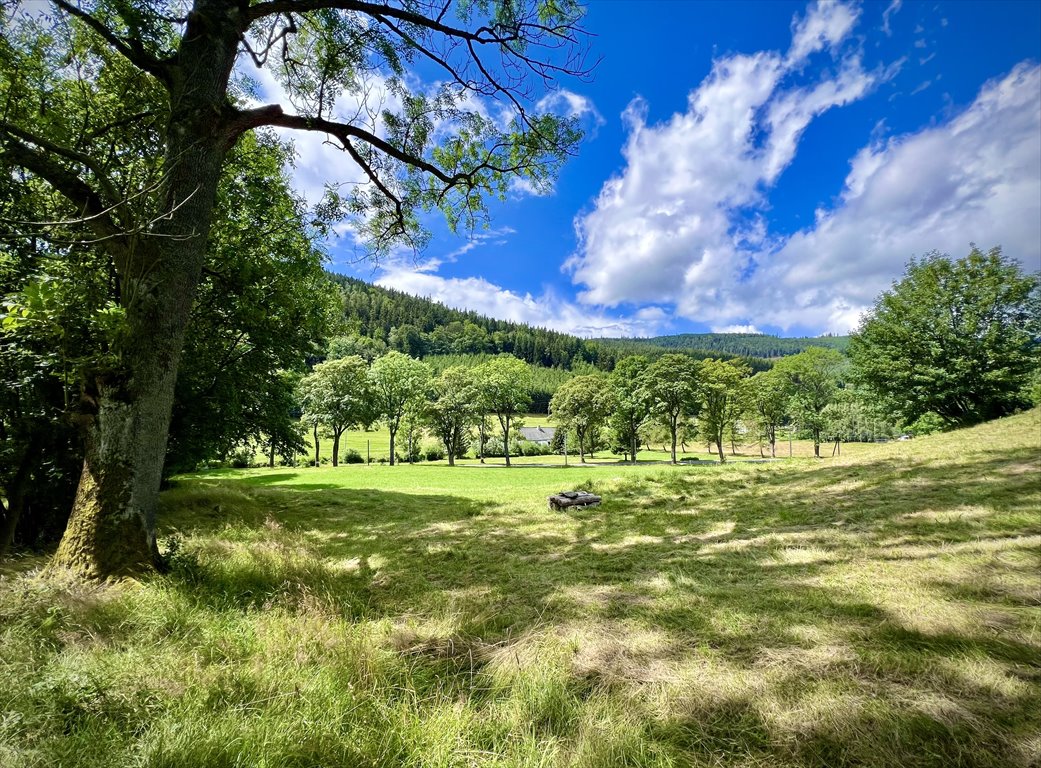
(880, 608)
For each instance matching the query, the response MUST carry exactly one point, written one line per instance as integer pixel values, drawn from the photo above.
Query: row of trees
(404, 393)
(675, 392)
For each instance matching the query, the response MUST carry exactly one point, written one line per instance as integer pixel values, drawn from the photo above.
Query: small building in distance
(538, 435)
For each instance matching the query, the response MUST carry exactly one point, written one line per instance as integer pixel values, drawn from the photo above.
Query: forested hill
(422, 328)
(757, 345)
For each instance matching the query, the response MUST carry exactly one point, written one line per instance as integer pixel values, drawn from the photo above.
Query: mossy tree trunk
(126, 409)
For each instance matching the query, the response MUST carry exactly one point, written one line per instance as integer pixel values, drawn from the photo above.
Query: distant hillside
(758, 345)
(421, 327)
(424, 328)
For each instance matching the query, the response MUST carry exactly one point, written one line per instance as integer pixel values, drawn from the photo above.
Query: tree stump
(566, 499)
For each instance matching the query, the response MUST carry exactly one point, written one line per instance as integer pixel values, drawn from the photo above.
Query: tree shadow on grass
(732, 573)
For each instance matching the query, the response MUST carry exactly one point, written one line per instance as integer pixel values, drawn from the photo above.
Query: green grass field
(877, 609)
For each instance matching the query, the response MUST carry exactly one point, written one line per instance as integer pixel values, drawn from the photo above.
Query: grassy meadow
(875, 609)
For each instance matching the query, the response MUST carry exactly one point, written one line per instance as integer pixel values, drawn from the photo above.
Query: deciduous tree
(722, 397)
(505, 384)
(337, 394)
(397, 382)
(630, 404)
(768, 404)
(958, 338)
(582, 404)
(812, 377)
(73, 84)
(453, 409)
(671, 384)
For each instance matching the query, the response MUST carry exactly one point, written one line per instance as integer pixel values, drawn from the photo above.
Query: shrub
(529, 448)
(351, 456)
(927, 424)
(434, 453)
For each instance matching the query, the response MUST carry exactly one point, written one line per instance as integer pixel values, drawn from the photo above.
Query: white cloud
(735, 329)
(671, 226)
(570, 104)
(976, 178)
(891, 9)
(682, 223)
(547, 310)
(825, 26)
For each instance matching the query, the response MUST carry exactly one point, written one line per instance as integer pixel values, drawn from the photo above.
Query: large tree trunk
(126, 419)
(674, 429)
(635, 443)
(336, 448)
(393, 432)
(506, 440)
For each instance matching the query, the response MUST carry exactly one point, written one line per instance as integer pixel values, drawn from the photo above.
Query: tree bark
(112, 529)
(674, 441)
(393, 433)
(506, 439)
(635, 443)
(317, 462)
(336, 447)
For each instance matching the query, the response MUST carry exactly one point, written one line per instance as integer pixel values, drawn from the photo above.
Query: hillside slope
(877, 610)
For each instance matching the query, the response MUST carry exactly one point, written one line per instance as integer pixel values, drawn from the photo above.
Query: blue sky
(764, 166)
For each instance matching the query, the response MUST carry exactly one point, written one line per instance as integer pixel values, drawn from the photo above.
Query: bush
(529, 448)
(493, 447)
(241, 457)
(351, 456)
(434, 453)
(927, 424)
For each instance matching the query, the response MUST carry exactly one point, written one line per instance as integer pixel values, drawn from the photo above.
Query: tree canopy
(957, 338)
(119, 117)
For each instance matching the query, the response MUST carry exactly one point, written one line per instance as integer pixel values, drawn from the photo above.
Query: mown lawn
(880, 609)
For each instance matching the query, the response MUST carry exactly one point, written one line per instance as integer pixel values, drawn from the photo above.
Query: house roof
(537, 434)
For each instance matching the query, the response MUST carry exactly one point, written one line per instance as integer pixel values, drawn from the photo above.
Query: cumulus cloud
(547, 310)
(681, 224)
(976, 178)
(671, 226)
